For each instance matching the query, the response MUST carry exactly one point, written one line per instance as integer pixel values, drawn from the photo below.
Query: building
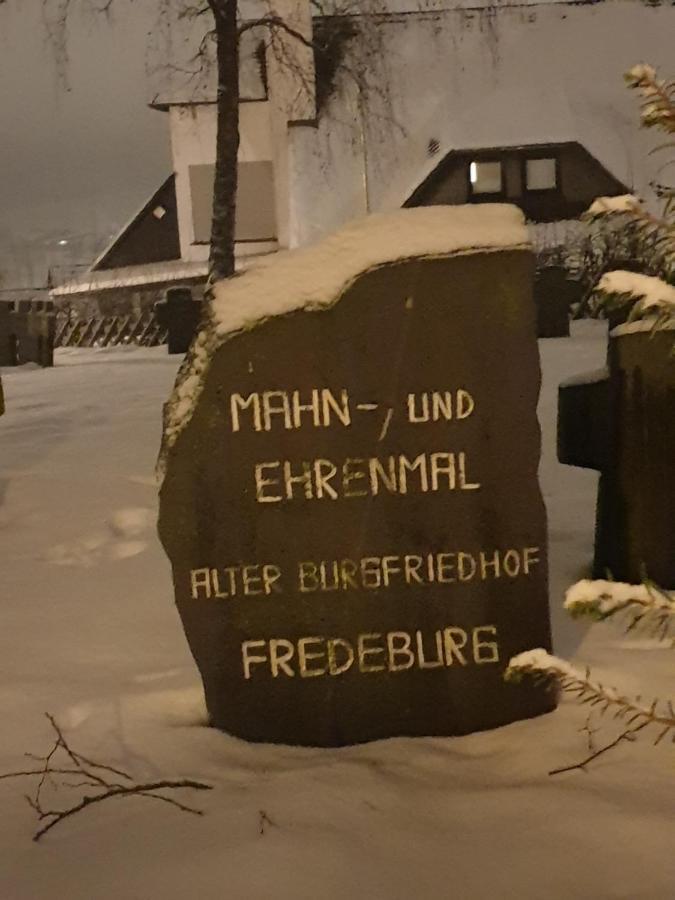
(138, 264)
(452, 103)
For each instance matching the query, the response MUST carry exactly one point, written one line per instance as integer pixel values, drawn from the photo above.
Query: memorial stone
(620, 422)
(27, 330)
(350, 499)
(554, 295)
(179, 313)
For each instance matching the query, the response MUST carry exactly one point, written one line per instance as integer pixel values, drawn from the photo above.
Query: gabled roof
(151, 235)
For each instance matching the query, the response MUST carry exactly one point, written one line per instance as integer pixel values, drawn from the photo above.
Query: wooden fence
(141, 329)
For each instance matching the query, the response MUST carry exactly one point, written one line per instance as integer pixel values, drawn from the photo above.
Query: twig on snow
(94, 775)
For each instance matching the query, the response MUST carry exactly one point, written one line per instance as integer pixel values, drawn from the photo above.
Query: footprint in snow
(123, 540)
(131, 522)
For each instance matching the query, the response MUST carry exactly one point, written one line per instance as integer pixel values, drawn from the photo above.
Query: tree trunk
(221, 258)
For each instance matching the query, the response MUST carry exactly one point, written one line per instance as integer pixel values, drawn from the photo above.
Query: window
(485, 177)
(256, 209)
(541, 174)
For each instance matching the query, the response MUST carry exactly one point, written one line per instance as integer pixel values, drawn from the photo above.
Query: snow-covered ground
(88, 632)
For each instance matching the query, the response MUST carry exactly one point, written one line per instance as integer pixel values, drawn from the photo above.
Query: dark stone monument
(27, 329)
(620, 422)
(352, 511)
(554, 295)
(180, 315)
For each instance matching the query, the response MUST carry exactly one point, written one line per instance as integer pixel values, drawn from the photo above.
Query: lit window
(541, 175)
(159, 212)
(485, 177)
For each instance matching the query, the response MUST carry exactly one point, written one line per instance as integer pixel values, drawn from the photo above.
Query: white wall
(291, 80)
(193, 142)
(327, 173)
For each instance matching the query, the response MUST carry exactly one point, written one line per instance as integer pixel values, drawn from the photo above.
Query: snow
(131, 522)
(315, 277)
(593, 377)
(101, 647)
(115, 541)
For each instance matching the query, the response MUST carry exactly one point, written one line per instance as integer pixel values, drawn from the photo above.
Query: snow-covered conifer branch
(652, 237)
(542, 666)
(647, 296)
(646, 605)
(658, 97)
(624, 203)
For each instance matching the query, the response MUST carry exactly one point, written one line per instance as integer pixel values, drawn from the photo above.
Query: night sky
(75, 162)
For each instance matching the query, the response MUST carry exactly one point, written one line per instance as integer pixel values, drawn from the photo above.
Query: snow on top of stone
(315, 277)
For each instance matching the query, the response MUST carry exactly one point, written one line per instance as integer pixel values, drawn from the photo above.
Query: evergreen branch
(633, 233)
(543, 667)
(627, 735)
(647, 606)
(658, 97)
(646, 295)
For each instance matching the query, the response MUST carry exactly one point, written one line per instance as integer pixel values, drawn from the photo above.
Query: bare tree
(221, 258)
(224, 28)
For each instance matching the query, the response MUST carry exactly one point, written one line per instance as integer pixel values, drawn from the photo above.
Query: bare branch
(90, 775)
(172, 802)
(29, 772)
(263, 820)
(276, 22)
(193, 12)
(627, 735)
(59, 815)
(55, 14)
